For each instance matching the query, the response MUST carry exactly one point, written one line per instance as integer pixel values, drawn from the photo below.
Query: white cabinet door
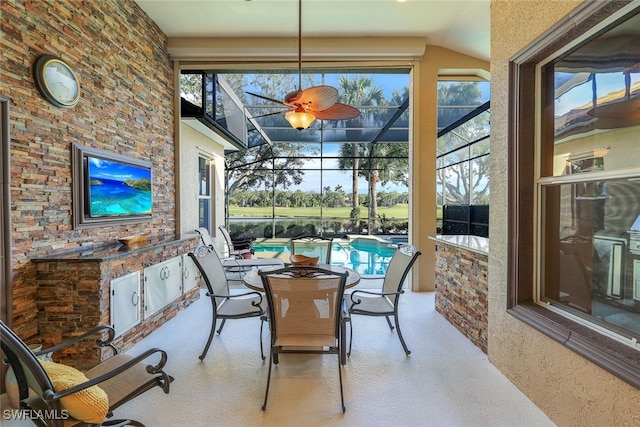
(125, 296)
(162, 284)
(190, 272)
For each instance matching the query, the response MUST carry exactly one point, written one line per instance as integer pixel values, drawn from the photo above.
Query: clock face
(57, 81)
(61, 82)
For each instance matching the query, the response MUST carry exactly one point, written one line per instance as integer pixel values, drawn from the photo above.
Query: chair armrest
(202, 249)
(50, 396)
(100, 342)
(378, 294)
(244, 294)
(238, 253)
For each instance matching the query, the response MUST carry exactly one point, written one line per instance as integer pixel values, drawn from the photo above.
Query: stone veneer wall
(74, 295)
(126, 107)
(461, 291)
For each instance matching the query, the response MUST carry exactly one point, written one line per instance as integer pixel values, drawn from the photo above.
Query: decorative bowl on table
(134, 239)
(299, 260)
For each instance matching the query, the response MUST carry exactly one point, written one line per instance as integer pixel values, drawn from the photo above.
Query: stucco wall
(126, 107)
(194, 144)
(572, 391)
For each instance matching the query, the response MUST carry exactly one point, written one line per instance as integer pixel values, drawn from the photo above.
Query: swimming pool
(366, 255)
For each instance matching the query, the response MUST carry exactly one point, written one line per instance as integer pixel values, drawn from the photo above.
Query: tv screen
(110, 188)
(117, 188)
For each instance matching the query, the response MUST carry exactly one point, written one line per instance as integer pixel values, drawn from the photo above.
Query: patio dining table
(253, 281)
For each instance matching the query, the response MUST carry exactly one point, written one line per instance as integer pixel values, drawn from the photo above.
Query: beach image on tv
(118, 189)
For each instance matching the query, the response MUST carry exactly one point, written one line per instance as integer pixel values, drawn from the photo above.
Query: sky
(388, 83)
(116, 171)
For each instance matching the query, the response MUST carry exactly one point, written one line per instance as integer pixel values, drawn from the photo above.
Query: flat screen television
(110, 188)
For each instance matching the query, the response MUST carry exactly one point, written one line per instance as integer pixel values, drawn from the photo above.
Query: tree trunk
(373, 203)
(356, 166)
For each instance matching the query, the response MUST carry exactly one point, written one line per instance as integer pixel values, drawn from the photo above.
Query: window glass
(592, 250)
(204, 213)
(204, 188)
(590, 212)
(204, 192)
(596, 103)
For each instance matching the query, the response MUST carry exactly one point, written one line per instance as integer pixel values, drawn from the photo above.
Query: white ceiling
(460, 25)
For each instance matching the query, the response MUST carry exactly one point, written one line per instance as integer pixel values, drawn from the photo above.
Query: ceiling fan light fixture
(316, 102)
(300, 119)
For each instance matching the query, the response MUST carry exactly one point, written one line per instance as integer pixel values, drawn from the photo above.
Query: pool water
(365, 255)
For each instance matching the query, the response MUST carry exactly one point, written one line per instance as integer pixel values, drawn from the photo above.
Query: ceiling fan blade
(337, 111)
(291, 99)
(315, 98)
(271, 114)
(265, 97)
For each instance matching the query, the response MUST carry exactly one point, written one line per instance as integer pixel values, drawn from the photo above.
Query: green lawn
(400, 211)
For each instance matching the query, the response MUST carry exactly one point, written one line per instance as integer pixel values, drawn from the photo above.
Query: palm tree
(360, 91)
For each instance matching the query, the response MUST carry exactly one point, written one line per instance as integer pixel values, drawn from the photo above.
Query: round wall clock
(56, 81)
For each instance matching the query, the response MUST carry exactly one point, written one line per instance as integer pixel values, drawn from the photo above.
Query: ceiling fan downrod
(299, 45)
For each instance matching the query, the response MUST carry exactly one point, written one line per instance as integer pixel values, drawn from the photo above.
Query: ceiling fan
(316, 102)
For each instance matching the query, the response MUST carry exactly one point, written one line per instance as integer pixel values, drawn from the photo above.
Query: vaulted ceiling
(207, 29)
(460, 25)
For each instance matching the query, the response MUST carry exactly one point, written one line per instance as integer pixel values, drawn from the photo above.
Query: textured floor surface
(446, 381)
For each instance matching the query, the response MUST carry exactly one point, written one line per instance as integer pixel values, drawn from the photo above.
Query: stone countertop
(464, 241)
(115, 250)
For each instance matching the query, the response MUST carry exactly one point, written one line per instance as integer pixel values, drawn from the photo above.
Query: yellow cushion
(89, 405)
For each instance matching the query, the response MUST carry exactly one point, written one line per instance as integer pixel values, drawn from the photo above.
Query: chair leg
(266, 393)
(350, 338)
(343, 344)
(404, 346)
(341, 391)
(261, 350)
(213, 329)
(389, 322)
(222, 325)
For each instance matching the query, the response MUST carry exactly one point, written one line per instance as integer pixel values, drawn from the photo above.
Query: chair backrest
(398, 268)
(28, 371)
(304, 301)
(313, 246)
(205, 237)
(227, 236)
(213, 274)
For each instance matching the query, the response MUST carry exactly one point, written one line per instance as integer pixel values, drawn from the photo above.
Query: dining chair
(237, 248)
(305, 306)
(208, 241)
(312, 246)
(55, 394)
(234, 266)
(225, 305)
(384, 302)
